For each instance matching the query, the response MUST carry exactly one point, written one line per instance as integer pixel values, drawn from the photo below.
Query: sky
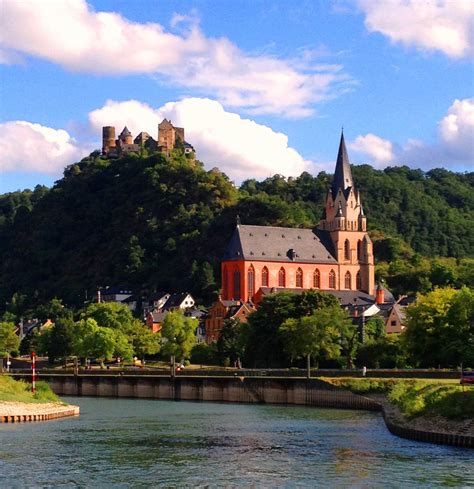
(260, 86)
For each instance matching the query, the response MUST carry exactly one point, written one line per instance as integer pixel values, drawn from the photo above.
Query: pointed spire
(342, 175)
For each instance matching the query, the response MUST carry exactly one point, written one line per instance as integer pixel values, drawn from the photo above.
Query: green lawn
(417, 397)
(20, 391)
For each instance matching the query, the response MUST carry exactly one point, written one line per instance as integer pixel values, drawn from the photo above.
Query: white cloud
(441, 25)
(27, 147)
(378, 150)
(239, 147)
(71, 34)
(454, 146)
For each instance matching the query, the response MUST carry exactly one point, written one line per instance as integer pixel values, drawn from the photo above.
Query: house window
(359, 250)
(393, 323)
(265, 277)
(282, 278)
(317, 279)
(347, 250)
(299, 277)
(251, 281)
(236, 285)
(332, 279)
(347, 280)
(358, 281)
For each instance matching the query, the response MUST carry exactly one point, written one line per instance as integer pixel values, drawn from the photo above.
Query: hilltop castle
(169, 138)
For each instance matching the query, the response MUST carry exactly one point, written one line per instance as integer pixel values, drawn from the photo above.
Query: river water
(144, 443)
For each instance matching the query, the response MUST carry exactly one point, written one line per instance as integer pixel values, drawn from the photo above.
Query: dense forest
(162, 223)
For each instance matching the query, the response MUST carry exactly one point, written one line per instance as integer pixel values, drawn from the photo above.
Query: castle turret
(126, 136)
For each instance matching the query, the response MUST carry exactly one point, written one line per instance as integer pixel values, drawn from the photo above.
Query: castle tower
(108, 139)
(346, 223)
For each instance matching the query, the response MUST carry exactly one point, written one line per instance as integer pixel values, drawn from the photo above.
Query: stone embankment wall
(236, 389)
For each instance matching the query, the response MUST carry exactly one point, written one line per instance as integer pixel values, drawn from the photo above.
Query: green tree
(58, 340)
(230, 343)
(9, 341)
(110, 315)
(440, 328)
(178, 332)
(144, 341)
(317, 336)
(382, 352)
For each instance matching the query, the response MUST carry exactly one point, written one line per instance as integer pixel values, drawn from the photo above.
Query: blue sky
(261, 87)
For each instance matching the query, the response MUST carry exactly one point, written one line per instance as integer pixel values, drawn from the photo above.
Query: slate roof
(342, 175)
(175, 300)
(346, 297)
(158, 317)
(116, 289)
(267, 243)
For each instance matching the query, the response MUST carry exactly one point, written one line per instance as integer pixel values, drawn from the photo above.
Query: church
(336, 256)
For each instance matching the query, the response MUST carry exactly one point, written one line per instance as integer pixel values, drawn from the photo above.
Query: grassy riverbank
(19, 391)
(416, 398)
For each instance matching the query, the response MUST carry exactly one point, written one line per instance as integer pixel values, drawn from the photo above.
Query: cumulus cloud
(239, 147)
(441, 25)
(377, 149)
(73, 35)
(454, 145)
(27, 147)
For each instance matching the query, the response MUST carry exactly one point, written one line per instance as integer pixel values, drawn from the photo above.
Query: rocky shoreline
(15, 412)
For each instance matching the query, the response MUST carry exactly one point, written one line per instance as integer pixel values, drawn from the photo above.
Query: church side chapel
(335, 257)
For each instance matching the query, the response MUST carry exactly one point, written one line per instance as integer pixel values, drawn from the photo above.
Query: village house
(222, 310)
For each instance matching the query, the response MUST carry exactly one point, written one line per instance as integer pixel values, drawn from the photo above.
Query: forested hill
(163, 222)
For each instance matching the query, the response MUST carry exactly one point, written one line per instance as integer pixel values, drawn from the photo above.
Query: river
(145, 443)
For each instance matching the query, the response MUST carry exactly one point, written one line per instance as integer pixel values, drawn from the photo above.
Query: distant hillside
(163, 222)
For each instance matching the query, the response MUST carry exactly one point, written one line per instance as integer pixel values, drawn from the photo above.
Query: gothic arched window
(332, 279)
(347, 250)
(264, 277)
(251, 281)
(299, 277)
(359, 250)
(358, 281)
(282, 278)
(347, 280)
(317, 279)
(236, 285)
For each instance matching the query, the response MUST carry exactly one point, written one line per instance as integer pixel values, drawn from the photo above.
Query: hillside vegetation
(163, 222)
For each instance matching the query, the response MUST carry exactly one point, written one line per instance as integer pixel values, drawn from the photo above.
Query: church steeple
(342, 175)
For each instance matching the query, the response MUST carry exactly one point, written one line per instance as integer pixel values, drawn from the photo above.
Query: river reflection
(140, 443)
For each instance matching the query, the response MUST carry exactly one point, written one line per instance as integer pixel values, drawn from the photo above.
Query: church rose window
(317, 279)
(251, 281)
(265, 277)
(332, 279)
(282, 278)
(347, 280)
(299, 277)
(236, 285)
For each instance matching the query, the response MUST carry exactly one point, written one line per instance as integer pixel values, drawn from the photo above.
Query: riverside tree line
(285, 331)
